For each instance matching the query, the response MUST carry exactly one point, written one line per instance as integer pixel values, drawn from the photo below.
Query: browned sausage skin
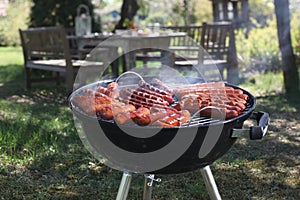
(153, 103)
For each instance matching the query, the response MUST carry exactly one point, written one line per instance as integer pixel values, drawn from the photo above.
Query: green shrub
(260, 50)
(58, 12)
(295, 34)
(17, 17)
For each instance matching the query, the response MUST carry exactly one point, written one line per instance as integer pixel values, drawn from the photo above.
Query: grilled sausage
(123, 118)
(162, 86)
(140, 117)
(185, 116)
(112, 86)
(85, 104)
(167, 97)
(105, 112)
(160, 114)
(139, 104)
(142, 97)
(120, 109)
(173, 120)
(219, 113)
(228, 107)
(162, 124)
(152, 88)
(111, 90)
(103, 90)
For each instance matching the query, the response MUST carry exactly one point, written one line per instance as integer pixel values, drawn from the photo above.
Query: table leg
(115, 68)
(167, 58)
(130, 60)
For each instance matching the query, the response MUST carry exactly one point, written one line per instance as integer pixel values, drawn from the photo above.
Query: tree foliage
(261, 12)
(59, 12)
(128, 11)
(175, 12)
(16, 18)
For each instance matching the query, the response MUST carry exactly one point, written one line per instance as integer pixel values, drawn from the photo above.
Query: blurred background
(256, 35)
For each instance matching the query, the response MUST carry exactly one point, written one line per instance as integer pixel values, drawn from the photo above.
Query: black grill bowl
(188, 161)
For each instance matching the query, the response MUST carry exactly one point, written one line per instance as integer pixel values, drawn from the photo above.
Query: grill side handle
(254, 132)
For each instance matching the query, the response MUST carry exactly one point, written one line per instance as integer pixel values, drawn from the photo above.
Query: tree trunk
(128, 11)
(290, 70)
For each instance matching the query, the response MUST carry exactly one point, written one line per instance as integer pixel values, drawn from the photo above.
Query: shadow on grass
(267, 168)
(13, 86)
(44, 157)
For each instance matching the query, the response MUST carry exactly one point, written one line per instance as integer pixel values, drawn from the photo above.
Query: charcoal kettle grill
(210, 139)
(195, 144)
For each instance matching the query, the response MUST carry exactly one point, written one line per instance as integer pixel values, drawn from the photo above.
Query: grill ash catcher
(117, 134)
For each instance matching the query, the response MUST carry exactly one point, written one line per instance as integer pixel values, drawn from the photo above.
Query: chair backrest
(193, 33)
(218, 40)
(45, 43)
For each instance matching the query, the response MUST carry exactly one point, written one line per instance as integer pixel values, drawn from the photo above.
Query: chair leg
(124, 67)
(145, 60)
(28, 78)
(124, 186)
(69, 80)
(233, 75)
(210, 183)
(222, 73)
(57, 78)
(115, 67)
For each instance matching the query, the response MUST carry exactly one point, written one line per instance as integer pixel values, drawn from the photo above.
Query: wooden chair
(218, 40)
(148, 55)
(152, 55)
(47, 48)
(186, 51)
(70, 31)
(193, 32)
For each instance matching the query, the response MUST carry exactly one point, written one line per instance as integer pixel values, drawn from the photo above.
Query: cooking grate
(197, 120)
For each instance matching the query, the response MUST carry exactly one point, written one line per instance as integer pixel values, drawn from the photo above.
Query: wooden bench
(47, 48)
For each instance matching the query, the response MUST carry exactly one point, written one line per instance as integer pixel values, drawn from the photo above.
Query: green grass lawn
(42, 157)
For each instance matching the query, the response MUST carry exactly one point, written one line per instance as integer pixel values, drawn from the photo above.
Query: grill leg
(124, 186)
(210, 183)
(147, 188)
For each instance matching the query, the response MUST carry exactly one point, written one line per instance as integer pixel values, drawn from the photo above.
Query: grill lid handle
(254, 132)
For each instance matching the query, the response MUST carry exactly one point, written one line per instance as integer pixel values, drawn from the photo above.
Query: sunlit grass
(264, 84)
(11, 55)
